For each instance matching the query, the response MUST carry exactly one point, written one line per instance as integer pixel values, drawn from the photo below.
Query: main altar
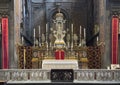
(58, 48)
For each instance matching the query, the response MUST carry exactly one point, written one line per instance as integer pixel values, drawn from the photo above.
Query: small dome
(59, 15)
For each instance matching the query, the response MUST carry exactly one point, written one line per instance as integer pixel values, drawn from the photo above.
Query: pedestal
(84, 62)
(35, 63)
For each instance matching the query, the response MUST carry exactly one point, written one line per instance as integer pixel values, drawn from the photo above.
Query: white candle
(46, 28)
(39, 31)
(34, 32)
(80, 31)
(84, 33)
(80, 35)
(34, 36)
(46, 32)
(80, 44)
(39, 35)
(72, 36)
(108, 68)
(22, 39)
(97, 39)
(72, 28)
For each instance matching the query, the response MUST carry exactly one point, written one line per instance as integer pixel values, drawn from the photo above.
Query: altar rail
(44, 75)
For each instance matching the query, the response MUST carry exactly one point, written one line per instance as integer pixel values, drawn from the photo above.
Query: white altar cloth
(59, 64)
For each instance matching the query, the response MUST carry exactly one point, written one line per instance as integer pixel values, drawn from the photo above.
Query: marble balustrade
(44, 75)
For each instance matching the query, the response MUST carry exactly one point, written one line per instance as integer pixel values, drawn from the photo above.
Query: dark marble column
(0, 51)
(12, 51)
(104, 26)
(11, 41)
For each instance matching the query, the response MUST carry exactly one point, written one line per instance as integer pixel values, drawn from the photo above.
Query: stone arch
(63, 11)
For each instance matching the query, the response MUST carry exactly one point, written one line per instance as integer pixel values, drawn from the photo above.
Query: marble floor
(60, 83)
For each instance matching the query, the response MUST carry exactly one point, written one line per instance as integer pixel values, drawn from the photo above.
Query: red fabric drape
(5, 43)
(59, 54)
(115, 24)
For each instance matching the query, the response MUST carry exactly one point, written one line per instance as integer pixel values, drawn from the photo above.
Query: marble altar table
(60, 64)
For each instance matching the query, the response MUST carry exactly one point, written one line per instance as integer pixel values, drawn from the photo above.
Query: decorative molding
(4, 12)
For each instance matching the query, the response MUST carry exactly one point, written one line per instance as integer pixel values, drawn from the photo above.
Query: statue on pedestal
(59, 32)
